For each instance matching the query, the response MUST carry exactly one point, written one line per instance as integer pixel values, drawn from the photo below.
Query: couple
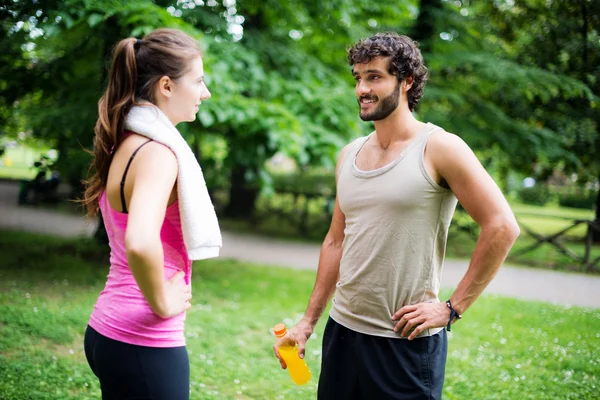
(397, 189)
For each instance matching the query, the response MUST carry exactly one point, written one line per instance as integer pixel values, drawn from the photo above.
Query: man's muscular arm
(454, 162)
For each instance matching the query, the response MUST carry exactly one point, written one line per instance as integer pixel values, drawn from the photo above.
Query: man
(397, 189)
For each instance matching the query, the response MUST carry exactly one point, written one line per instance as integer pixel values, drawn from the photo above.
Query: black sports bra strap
(123, 205)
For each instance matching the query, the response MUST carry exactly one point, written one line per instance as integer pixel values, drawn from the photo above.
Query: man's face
(377, 91)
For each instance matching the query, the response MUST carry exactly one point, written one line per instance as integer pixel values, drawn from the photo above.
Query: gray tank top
(397, 220)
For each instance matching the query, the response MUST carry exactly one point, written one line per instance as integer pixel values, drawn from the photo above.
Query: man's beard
(385, 107)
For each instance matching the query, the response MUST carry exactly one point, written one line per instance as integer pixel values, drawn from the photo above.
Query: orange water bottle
(296, 366)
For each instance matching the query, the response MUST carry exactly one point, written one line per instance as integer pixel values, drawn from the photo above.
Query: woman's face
(186, 94)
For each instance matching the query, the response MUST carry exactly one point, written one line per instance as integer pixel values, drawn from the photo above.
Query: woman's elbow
(139, 246)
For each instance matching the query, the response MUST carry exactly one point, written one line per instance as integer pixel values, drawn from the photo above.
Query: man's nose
(362, 88)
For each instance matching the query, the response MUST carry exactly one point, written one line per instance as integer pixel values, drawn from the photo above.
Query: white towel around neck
(199, 223)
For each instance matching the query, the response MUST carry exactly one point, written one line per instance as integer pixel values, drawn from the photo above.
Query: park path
(518, 282)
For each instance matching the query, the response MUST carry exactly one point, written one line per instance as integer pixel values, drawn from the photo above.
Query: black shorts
(359, 366)
(127, 371)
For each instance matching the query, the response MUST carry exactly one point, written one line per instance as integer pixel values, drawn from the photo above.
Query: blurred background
(518, 80)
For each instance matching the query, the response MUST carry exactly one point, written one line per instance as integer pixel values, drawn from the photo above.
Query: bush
(585, 200)
(306, 183)
(537, 195)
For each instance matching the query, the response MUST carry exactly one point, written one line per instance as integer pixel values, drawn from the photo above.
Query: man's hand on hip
(415, 318)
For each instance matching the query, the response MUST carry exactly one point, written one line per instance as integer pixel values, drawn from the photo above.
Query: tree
(561, 37)
(284, 84)
(481, 91)
(280, 82)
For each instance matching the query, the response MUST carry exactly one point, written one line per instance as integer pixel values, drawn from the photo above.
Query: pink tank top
(121, 311)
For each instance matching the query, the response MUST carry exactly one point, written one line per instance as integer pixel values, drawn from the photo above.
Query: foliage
(559, 37)
(481, 91)
(521, 80)
(64, 46)
(585, 200)
(311, 183)
(538, 195)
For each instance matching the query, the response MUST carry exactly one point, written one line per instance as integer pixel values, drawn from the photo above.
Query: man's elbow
(513, 232)
(505, 227)
(509, 228)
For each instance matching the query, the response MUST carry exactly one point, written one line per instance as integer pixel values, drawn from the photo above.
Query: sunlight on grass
(552, 211)
(502, 349)
(17, 163)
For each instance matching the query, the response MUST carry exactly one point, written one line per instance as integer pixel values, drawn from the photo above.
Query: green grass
(502, 349)
(552, 218)
(551, 211)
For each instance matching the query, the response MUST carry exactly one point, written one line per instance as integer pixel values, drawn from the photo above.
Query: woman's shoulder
(151, 158)
(133, 141)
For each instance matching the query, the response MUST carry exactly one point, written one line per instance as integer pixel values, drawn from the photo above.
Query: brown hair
(136, 67)
(404, 56)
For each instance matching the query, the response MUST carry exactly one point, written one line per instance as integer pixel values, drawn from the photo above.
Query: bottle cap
(279, 330)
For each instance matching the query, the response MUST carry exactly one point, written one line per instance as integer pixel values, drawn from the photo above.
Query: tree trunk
(596, 234)
(424, 29)
(242, 197)
(584, 31)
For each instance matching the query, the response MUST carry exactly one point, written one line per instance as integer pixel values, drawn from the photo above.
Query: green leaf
(206, 118)
(94, 19)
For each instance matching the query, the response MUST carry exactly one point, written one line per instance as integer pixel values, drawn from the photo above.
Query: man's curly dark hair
(405, 60)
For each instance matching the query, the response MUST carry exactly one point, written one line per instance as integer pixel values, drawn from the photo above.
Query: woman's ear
(165, 86)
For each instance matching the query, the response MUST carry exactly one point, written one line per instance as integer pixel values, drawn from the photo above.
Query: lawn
(551, 218)
(502, 349)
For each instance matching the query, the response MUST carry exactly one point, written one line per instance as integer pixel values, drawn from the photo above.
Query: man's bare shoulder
(441, 138)
(447, 146)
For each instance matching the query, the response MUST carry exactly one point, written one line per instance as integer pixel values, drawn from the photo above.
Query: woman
(134, 341)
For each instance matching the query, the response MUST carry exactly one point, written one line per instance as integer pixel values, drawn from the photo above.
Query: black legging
(127, 371)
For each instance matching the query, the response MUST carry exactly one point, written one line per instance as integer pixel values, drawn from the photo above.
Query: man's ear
(165, 86)
(407, 84)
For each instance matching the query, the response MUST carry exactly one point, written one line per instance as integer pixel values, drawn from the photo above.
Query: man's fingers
(412, 324)
(418, 331)
(404, 310)
(404, 320)
(301, 349)
(281, 361)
